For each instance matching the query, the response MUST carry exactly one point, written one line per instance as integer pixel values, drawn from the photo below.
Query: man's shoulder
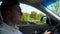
(6, 29)
(3, 28)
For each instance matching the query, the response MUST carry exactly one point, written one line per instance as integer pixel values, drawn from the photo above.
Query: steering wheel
(55, 27)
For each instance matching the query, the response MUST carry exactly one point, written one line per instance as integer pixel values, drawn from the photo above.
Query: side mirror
(45, 20)
(48, 20)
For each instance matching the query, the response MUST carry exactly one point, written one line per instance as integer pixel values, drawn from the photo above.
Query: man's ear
(7, 13)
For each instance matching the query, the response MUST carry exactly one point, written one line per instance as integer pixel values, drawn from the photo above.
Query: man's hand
(47, 33)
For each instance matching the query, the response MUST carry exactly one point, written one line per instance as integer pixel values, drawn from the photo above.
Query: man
(11, 14)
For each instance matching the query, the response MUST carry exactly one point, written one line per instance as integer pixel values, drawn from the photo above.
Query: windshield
(55, 8)
(52, 5)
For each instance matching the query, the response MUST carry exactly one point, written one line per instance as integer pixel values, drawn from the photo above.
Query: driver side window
(31, 15)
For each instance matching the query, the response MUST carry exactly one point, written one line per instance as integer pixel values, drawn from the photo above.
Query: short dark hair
(7, 4)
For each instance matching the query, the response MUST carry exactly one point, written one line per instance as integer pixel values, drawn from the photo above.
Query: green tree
(33, 15)
(25, 16)
(56, 8)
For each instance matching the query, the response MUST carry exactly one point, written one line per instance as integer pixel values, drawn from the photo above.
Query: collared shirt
(6, 29)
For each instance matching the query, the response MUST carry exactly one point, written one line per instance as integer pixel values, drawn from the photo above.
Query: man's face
(16, 14)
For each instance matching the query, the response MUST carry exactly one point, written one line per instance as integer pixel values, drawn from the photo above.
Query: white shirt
(6, 29)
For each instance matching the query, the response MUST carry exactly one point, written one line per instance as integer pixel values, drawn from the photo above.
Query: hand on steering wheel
(53, 30)
(47, 33)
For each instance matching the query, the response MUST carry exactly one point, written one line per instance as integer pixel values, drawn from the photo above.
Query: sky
(27, 8)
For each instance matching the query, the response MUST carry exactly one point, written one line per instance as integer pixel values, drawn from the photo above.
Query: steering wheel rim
(55, 27)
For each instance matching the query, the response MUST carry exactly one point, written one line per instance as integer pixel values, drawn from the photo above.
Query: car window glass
(31, 15)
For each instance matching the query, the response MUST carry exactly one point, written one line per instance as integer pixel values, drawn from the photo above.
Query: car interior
(52, 20)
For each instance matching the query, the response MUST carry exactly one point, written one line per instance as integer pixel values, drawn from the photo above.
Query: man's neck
(10, 23)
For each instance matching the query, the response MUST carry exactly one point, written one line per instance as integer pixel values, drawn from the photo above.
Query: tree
(25, 16)
(56, 8)
(33, 15)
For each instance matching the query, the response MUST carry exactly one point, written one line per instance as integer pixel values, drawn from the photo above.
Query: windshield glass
(55, 8)
(52, 5)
